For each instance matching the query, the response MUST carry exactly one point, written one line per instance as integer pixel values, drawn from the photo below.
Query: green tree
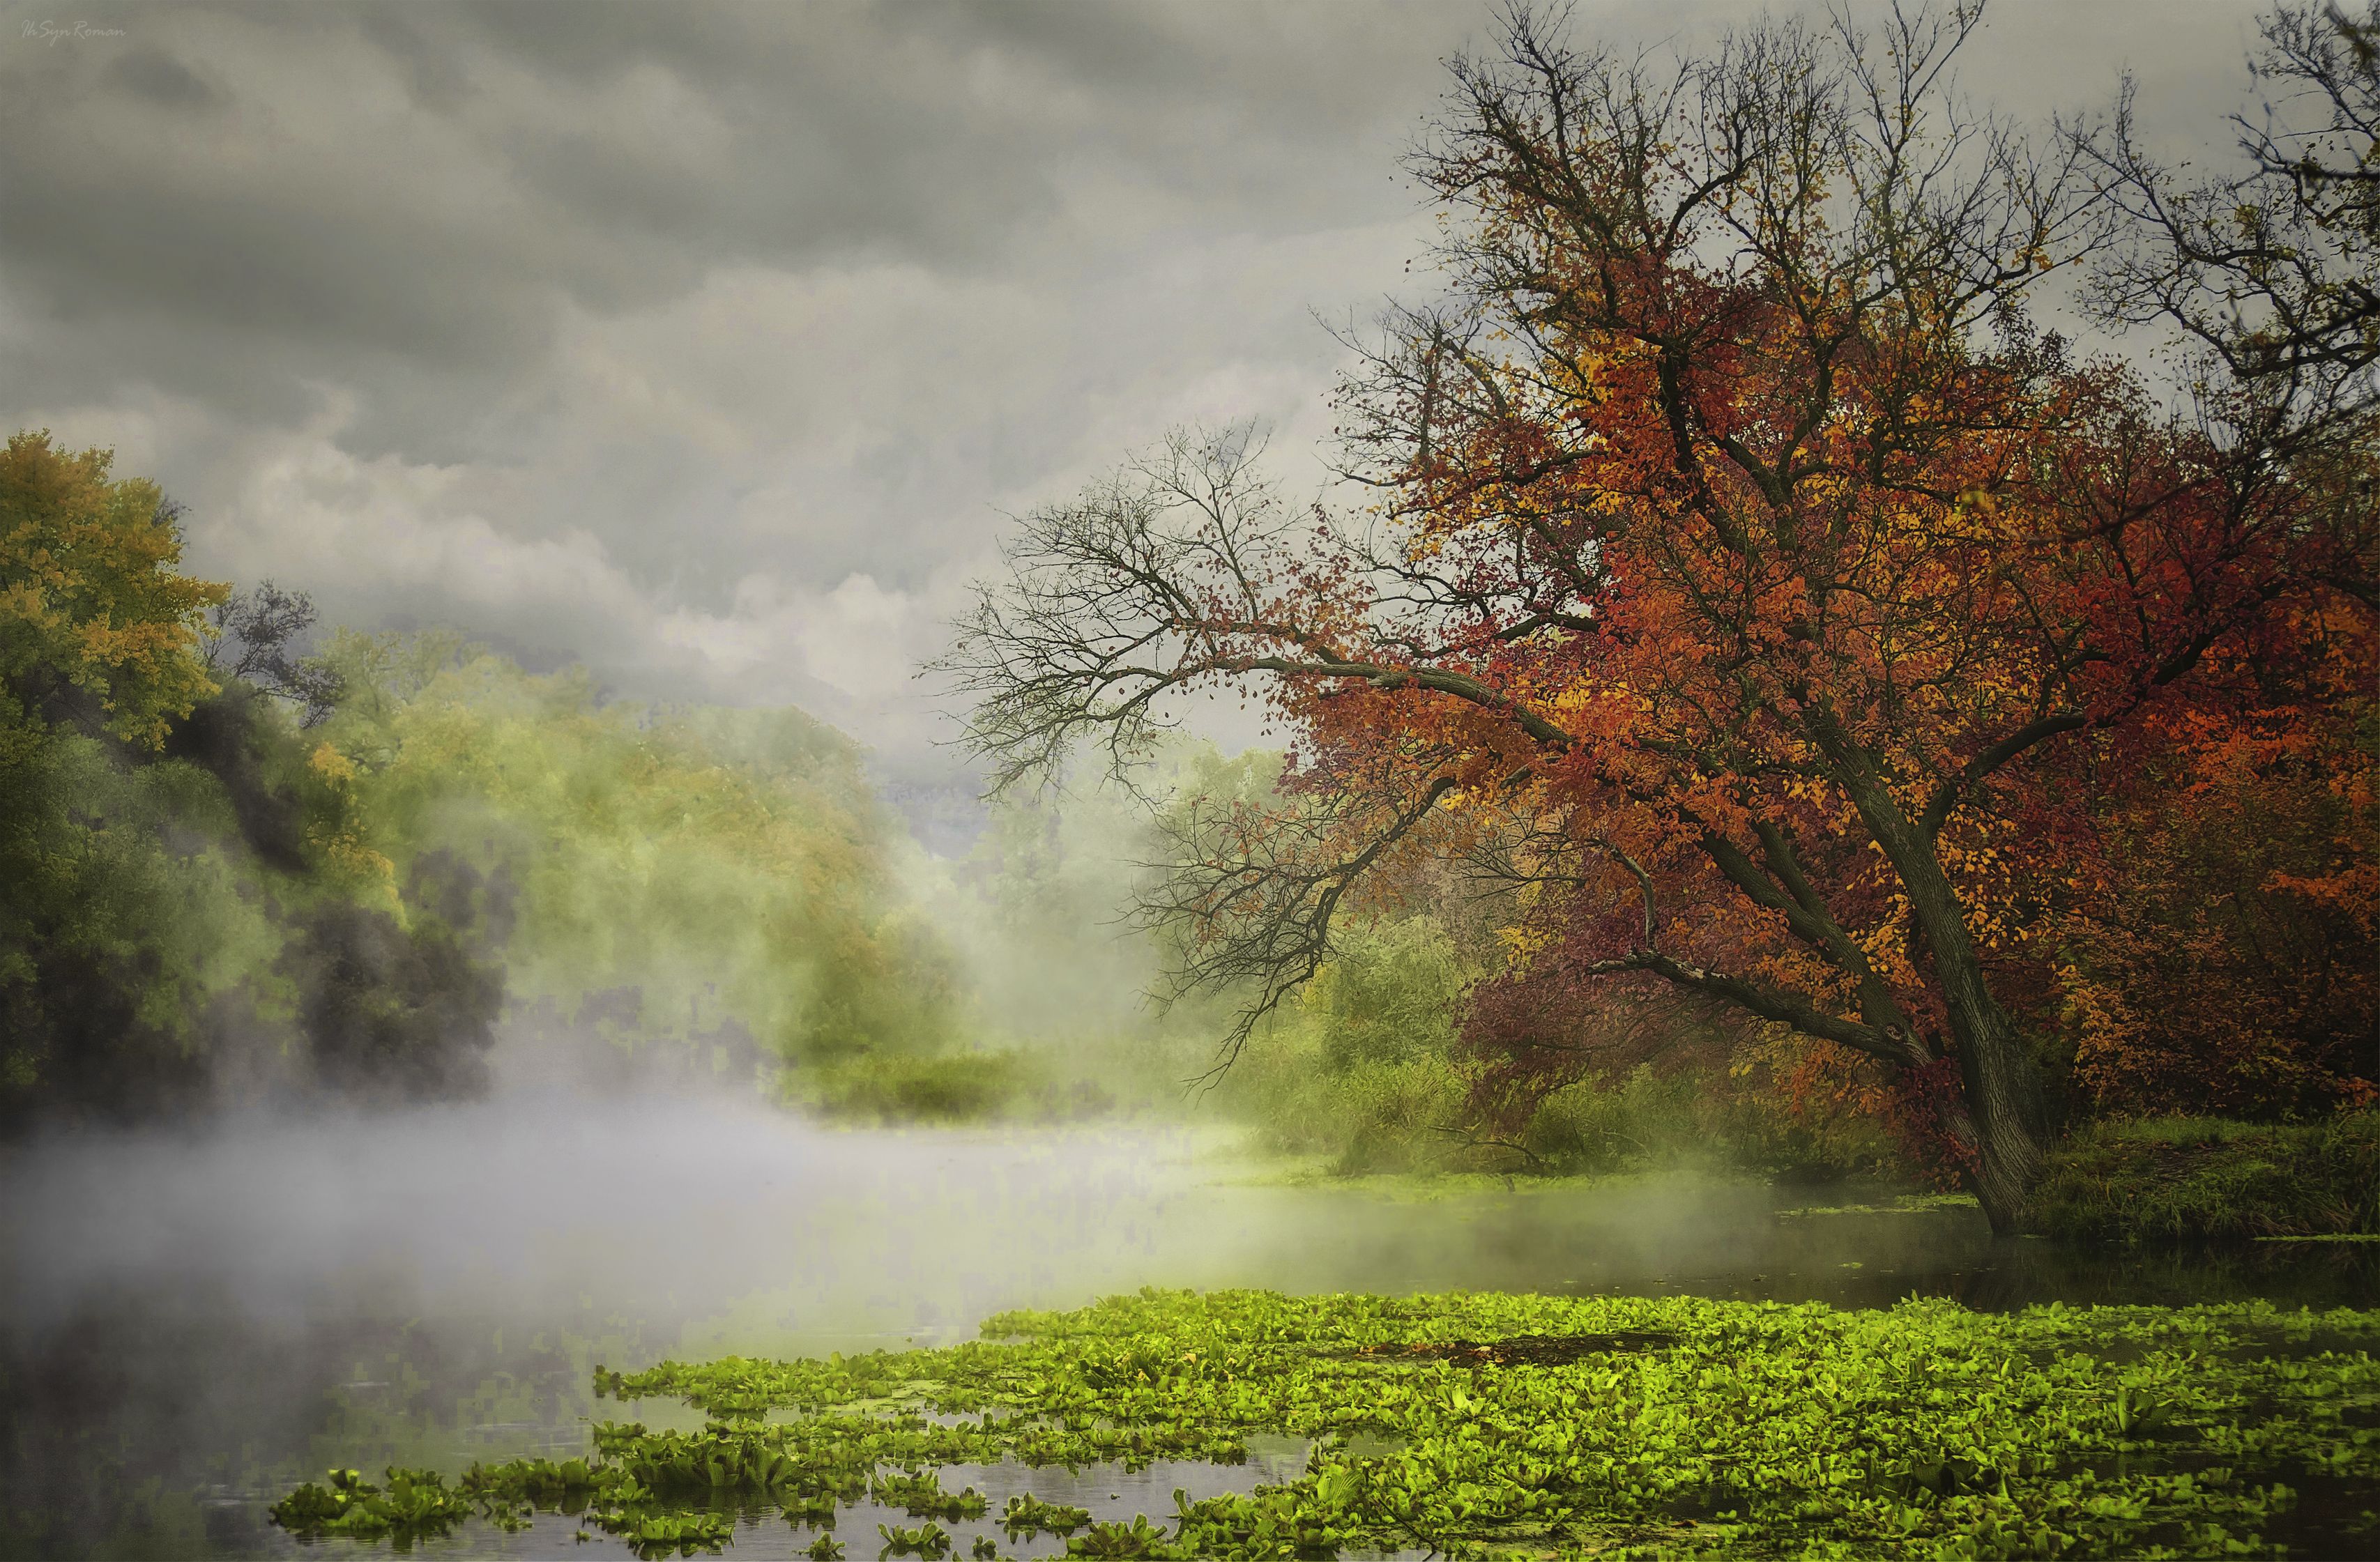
(100, 637)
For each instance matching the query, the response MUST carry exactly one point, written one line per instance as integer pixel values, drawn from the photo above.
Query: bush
(1374, 1115)
(1645, 1119)
(1394, 1117)
(1358, 1068)
(1362, 1071)
(953, 1087)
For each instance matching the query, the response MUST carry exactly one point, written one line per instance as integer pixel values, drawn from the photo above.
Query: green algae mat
(1494, 1424)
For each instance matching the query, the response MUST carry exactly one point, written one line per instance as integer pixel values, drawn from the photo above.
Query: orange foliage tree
(2221, 951)
(2218, 947)
(1742, 562)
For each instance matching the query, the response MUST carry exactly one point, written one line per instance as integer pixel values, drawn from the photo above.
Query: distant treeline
(229, 870)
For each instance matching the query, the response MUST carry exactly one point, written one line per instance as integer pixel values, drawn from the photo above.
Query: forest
(240, 872)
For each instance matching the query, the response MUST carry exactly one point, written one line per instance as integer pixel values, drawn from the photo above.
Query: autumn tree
(2267, 273)
(1740, 553)
(99, 629)
(2218, 947)
(2228, 964)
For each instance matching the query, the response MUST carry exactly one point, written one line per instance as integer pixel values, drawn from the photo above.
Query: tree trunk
(2008, 1146)
(2003, 1089)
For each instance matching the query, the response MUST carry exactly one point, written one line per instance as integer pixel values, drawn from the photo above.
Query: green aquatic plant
(1028, 1513)
(1139, 1538)
(1483, 1423)
(921, 1496)
(2138, 1412)
(657, 1535)
(533, 1479)
(929, 1539)
(814, 1507)
(415, 1504)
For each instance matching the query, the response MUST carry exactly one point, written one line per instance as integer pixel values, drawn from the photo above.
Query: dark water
(189, 1325)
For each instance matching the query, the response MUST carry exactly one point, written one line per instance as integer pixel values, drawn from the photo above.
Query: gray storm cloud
(708, 342)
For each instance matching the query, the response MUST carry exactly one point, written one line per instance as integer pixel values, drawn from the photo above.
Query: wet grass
(2195, 1178)
(1895, 1204)
(1474, 1425)
(2328, 1237)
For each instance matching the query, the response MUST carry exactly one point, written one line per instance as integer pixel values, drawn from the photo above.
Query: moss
(2194, 1178)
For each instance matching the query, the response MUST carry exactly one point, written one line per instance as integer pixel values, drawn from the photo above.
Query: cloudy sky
(709, 343)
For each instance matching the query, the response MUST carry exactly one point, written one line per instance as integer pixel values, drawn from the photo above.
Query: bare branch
(1250, 892)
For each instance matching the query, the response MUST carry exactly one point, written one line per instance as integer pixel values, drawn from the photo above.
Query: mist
(714, 1224)
(525, 1205)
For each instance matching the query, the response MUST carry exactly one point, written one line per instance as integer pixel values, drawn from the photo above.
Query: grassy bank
(2196, 1179)
(1498, 1425)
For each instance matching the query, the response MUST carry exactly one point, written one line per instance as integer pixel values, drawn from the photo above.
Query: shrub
(952, 1087)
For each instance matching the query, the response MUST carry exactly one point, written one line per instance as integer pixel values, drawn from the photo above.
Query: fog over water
(753, 1228)
(660, 1206)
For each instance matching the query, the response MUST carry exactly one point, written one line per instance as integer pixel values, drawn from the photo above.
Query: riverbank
(2163, 1180)
(2204, 1179)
